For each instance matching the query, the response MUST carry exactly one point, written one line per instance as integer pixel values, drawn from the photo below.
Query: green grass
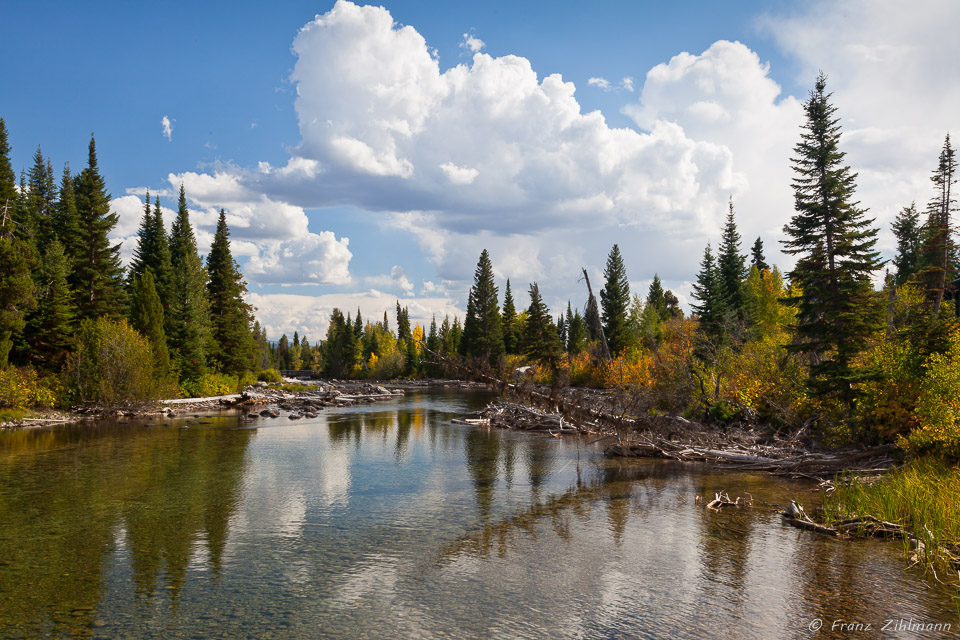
(923, 496)
(10, 415)
(296, 388)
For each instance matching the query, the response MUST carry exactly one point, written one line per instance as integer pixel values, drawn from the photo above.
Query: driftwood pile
(306, 403)
(510, 415)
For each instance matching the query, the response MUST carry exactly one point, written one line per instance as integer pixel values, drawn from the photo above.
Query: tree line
(67, 305)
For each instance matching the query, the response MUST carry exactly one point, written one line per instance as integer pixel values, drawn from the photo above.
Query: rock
(294, 416)
(253, 415)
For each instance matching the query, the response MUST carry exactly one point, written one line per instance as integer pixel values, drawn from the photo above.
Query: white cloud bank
(489, 154)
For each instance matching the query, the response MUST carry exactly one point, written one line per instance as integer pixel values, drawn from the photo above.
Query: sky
(367, 154)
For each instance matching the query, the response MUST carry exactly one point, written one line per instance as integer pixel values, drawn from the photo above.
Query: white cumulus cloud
(167, 125)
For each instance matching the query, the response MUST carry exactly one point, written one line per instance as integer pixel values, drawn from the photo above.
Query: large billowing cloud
(483, 146)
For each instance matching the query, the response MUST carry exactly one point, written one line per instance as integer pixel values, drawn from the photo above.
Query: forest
(841, 347)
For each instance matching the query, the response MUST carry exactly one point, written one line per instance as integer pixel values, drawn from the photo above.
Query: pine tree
(146, 316)
(190, 319)
(837, 309)
(576, 331)
(540, 339)
(98, 278)
(711, 309)
(17, 259)
(615, 302)
(509, 323)
(8, 180)
(340, 347)
(41, 201)
(756, 257)
(51, 329)
(153, 252)
(731, 268)
(908, 231)
(656, 300)
(358, 325)
(66, 221)
(283, 353)
(403, 324)
(483, 337)
(306, 354)
(939, 247)
(230, 315)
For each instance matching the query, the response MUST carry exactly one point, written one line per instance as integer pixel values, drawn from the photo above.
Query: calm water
(388, 521)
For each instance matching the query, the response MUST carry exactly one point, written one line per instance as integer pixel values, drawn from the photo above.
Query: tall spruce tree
(230, 315)
(656, 299)
(707, 290)
(540, 339)
(41, 201)
(482, 336)
(576, 331)
(97, 276)
(939, 248)
(615, 302)
(511, 339)
(50, 328)
(66, 221)
(757, 258)
(837, 309)
(189, 310)
(17, 259)
(8, 180)
(153, 252)
(146, 316)
(731, 268)
(908, 232)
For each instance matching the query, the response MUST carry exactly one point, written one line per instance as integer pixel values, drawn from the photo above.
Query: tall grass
(923, 496)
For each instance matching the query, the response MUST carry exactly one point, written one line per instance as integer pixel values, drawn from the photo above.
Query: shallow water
(389, 521)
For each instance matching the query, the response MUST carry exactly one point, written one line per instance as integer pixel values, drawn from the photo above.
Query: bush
(937, 414)
(112, 365)
(22, 388)
(269, 375)
(210, 384)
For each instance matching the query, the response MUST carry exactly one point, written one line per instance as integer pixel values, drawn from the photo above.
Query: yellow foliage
(22, 388)
(937, 413)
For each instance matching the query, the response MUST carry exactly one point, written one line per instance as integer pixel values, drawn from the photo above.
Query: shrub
(22, 388)
(937, 413)
(112, 365)
(269, 375)
(210, 384)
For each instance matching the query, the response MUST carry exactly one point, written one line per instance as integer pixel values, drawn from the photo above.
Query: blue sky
(397, 193)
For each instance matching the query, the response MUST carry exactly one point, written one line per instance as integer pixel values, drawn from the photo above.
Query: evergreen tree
(576, 331)
(146, 316)
(358, 325)
(230, 315)
(756, 257)
(153, 252)
(837, 309)
(615, 302)
(340, 348)
(190, 320)
(540, 339)
(656, 300)
(306, 354)
(50, 329)
(939, 247)
(17, 259)
(8, 180)
(66, 222)
(483, 337)
(731, 268)
(403, 324)
(908, 231)
(262, 355)
(509, 322)
(707, 290)
(97, 277)
(283, 353)
(41, 200)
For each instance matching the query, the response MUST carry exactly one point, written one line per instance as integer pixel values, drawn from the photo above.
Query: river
(389, 521)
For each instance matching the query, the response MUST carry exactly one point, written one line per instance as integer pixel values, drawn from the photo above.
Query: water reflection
(390, 521)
